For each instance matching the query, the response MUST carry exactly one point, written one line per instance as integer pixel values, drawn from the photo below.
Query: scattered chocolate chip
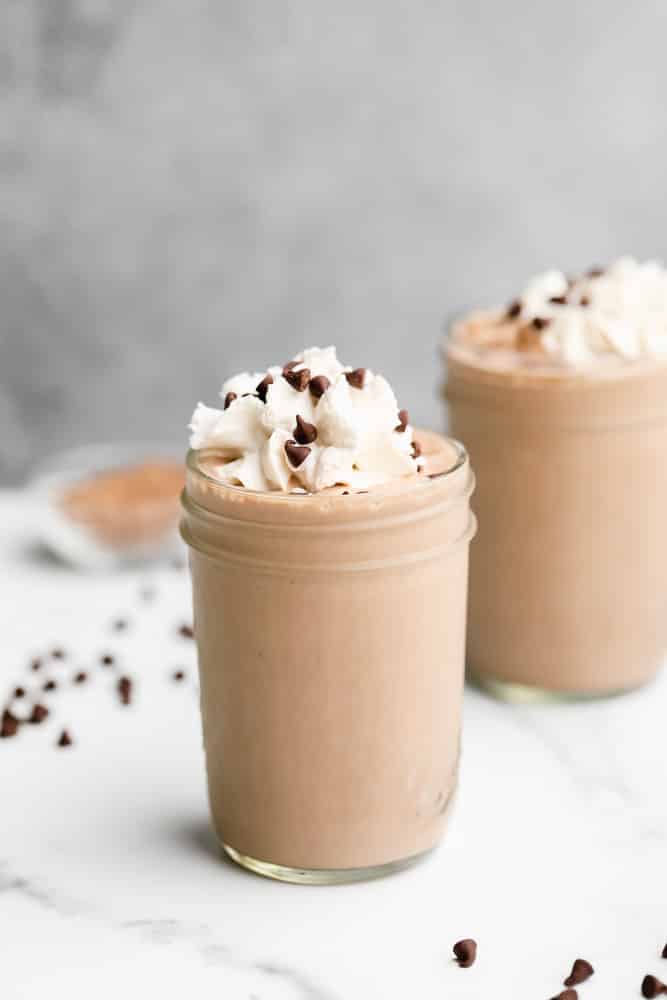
(584, 301)
(356, 378)
(664, 952)
(345, 493)
(539, 322)
(581, 971)
(179, 675)
(652, 986)
(49, 686)
(319, 385)
(107, 660)
(567, 995)
(125, 690)
(119, 625)
(416, 449)
(64, 740)
(298, 380)
(81, 677)
(296, 453)
(558, 300)
(36, 664)
(304, 432)
(19, 692)
(403, 421)
(465, 952)
(39, 713)
(58, 653)
(595, 272)
(229, 399)
(9, 725)
(513, 309)
(247, 395)
(187, 631)
(263, 387)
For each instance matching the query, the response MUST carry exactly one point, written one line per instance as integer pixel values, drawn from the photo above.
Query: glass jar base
(320, 876)
(529, 694)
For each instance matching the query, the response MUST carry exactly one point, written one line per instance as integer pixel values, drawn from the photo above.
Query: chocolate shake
(329, 550)
(561, 399)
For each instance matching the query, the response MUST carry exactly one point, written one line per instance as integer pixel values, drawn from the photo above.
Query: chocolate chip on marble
(9, 725)
(652, 987)
(296, 453)
(65, 740)
(263, 387)
(513, 309)
(581, 971)
(298, 380)
(36, 664)
(178, 675)
(49, 686)
(567, 995)
(304, 433)
(107, 660)
(58, 653)
(356, 378)
(403, 421)
(19, 692)
(38, 714)
(186, 631)
(229, 399)
(540, 322)
(319, 385)
(81, 677)
(125, 690)
(465, 952)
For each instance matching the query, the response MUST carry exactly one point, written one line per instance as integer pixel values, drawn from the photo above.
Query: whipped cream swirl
(620, 311)
(308, 425)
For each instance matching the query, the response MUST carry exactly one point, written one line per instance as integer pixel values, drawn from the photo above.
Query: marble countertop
(111, 885)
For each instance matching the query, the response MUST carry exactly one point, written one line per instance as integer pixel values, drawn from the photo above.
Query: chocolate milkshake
(561, 398)
(329, 549)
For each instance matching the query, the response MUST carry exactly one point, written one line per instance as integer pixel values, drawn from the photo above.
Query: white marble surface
(110, 884)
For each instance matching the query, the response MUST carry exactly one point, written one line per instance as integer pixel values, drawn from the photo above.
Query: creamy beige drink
(329, 601)
(561, 399)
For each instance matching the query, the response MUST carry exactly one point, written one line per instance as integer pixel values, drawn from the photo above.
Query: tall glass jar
(330, 632)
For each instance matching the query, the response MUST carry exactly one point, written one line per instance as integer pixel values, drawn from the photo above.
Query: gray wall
(193, 187)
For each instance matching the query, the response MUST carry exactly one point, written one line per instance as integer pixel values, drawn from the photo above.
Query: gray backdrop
(193, 187)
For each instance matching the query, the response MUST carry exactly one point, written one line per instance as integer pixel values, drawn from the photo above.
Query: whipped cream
(620, 311)
(308, 425)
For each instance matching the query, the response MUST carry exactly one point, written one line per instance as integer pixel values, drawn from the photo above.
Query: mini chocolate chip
(356, 378)
(513, 309)
(64, 740)
(296, 453)
(558, 300)
(664, 952)
(584, 301)
(107, 660)
(49, 686)
(263, 387)
(39, 713)
(581, 971)
(304, 433)
(403, 421)
(567, 995)
(179, 675)
(465, 952)
(58, 653)
(187, 631)
(119, 625)
(319, 385)
(125, 690)
(9, 725)
(595, 272)
(81, 677)
(652, 987)
(19, 692)
(539, 322)
(36, 664)
(298, 380)
(416, 449)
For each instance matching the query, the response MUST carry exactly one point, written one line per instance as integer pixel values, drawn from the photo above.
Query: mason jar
(330, 630)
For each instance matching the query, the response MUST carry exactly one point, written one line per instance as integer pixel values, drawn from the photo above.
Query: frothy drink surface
(561, 399)
(331, 629)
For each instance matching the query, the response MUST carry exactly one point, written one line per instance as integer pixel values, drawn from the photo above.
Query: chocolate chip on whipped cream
(263, 386)
(304, 433)
(513, 310)
(229, 399)
(346, 421)
(403, 421)
(38, 715)
(9, 725)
